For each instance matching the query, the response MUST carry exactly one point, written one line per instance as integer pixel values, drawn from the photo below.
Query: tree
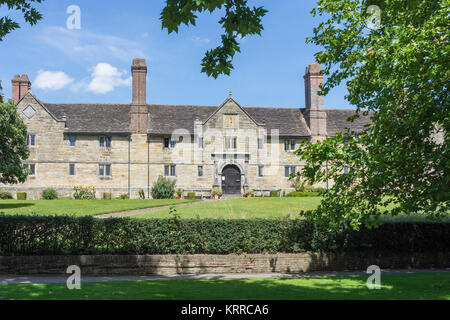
(239, 21)
(397, 73)
(1, 94)
(30, 14)
(13, 147)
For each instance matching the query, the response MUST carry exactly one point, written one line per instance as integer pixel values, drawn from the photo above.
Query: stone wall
(219, 264)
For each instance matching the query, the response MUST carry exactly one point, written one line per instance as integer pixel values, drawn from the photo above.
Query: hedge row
(20, 235)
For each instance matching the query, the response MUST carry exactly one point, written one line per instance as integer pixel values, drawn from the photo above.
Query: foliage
(49, 194)
(302, 194)
(179, 193)
(124, 196)
(249, 193)
(274, 193)
(191, 195)
(397, 75)
(28, 235)
(21, 196)
(4, 195)
(107, 196)
(238, 22)
(141, 194)
(30, 14)
(84, 193)
(13, 147)
(217, 192)
(163, 188)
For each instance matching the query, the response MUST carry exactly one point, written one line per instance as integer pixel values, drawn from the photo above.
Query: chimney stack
(139, 73)
(315, 114)
(139, 109)
(20, 86)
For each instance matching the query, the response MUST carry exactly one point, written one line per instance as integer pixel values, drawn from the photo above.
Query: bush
(5, 195)
(49, 194)
(124, 196)
(273, 193)
(107, 196)
(84, 193)
(57, 235)
(217, 192)
(21, 196)
(302, 194)
(179, 193)
(191, 195)
(248, 193)
(163, 188)
(142, 194)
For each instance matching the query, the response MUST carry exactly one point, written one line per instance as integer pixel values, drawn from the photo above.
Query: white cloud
(199, 40)
(82, 45)
(52, 80)
(105, 78)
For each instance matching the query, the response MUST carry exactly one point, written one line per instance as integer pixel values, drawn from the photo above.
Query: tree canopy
(30, 14)
(13, 147)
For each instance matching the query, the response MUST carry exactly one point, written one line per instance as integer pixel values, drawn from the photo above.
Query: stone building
(123, 148)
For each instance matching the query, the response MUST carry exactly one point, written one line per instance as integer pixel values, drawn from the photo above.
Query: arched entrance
(231, 180)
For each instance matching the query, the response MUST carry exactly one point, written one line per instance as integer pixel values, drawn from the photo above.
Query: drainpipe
(129, 166)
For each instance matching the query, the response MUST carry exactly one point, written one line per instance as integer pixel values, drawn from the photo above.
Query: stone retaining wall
(217, 264)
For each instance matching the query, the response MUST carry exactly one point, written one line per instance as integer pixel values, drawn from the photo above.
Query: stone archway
(231, 179)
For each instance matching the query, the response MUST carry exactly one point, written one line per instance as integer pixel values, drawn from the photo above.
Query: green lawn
(399, 286)
(241, 208)
(78, 207)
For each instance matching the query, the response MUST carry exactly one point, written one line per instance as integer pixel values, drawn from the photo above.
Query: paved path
(124, 214)
(47, 279)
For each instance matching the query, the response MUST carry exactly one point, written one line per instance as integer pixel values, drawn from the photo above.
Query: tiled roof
(337, 120)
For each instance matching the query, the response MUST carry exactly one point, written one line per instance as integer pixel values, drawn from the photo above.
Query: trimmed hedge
(302, 194)
(21, 196)
(34, 235)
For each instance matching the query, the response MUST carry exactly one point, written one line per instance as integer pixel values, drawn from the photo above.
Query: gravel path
(48, 279)
(124, 214)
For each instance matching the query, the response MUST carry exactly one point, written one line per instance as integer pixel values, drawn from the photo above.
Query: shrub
(249, 193)
(179, 193)
(124, 196)
(274, 193)
(5, 195)
(302, 194)
(107, 196)
(84, 193)
(141, 194)
(163, 188)
(191, 195)
(217, 192)
(21, 196)
(49, 194)
(57, 235)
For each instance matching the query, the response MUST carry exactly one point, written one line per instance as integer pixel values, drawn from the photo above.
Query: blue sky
(93, 64)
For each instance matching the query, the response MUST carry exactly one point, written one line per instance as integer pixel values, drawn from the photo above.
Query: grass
(241, 208)
(79, 207)
(393, 287)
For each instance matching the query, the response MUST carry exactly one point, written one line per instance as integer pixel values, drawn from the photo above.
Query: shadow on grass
(404, 286)
(15, 205)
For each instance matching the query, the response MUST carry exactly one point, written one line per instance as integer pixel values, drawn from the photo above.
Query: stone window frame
(105, 143)
(290, 144)
(74, 142)
(231, 115)
(102, 170)
(231, 143)
(31, 137)
(200, 171)
(201, 142)
(72, 165)
(260, 143)
(289, 170)
(29, 166)
(260, 171)
(170, 170)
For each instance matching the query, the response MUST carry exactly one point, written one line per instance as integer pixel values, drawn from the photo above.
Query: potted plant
(217, 193)
(179, 194)
(249, 193)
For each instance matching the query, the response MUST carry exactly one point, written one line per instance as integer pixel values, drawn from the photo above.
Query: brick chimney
(20, 86)
(315, 115)
(139, 109)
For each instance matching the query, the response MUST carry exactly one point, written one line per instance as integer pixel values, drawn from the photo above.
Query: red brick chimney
(20, 86)
(315, 115)
(139, 109)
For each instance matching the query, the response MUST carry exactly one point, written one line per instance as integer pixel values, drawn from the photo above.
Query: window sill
(106, 178)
